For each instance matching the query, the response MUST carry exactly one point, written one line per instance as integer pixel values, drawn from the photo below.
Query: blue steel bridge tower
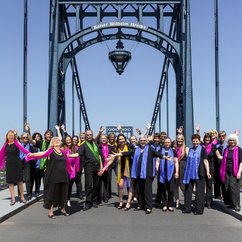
(76, 25)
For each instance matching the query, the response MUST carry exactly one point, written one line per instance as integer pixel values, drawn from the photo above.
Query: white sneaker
(69, 203)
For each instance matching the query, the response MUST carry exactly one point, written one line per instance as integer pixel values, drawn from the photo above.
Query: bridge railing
(3, 183)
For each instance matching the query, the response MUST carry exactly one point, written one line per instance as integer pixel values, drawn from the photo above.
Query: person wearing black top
(168, 172)
(143, 171)
(212, 154)
(56, 180)
(230, 171)
(29, 170)
(197, 167)
(104, 150)
(90, 158)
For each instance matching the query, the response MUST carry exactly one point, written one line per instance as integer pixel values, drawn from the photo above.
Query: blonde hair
(54, 139)
(183, 145)
(214, 131)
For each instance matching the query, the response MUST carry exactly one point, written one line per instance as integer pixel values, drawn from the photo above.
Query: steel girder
(176, 48)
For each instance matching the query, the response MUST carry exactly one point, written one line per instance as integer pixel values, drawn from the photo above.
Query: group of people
(213, 165)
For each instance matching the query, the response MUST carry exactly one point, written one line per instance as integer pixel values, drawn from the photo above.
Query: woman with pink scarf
(230, 172)
(212, 155)
(58, 170)
(70, 148)
(14, 173)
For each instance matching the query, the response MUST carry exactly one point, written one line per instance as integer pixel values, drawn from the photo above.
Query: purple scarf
(3, 152)
(208, 147)
(179, 152)
(74, 163)
(47, 153)
(235, 162)
(215, 142)
(105, 152)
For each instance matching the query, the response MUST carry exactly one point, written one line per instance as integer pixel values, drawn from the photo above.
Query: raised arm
(57, 127)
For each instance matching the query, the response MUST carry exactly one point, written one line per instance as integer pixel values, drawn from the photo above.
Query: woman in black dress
(14, 171)
(57, 179)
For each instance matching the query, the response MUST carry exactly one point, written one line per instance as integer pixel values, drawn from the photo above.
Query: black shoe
(121, 205)
(12, 203)
(95, 205)
(65, 214)
(22, 201)
(127, 207)
(197, 213)
(237, 209)
(138, 208)
(186, 212)
(148, 211)
(51, 216)
(87, 208)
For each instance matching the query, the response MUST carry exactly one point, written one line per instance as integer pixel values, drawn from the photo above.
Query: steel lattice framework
(97, 21)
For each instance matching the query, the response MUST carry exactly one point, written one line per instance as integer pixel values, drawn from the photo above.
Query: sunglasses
(25, 137)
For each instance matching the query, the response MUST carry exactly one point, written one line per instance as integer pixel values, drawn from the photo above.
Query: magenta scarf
(105, 152)
(235, 162)
(74, 163)
(208, 147)
(179, 152)
(47, 153)
(215, 142)
(3, 152)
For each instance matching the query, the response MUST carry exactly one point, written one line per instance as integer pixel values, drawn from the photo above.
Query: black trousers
(77, 181)
(167, 191)
(144, 192)
(200, 194)
(91, 183)
(110, 171)
(158, 192)
(209, 187)
(38, 176)
(232, 190)
(103, 186)
(29, 176)
(217, 179)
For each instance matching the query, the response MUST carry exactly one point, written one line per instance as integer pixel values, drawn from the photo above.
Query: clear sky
(127, 99)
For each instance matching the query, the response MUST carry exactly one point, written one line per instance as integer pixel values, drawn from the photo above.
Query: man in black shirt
(90, 159)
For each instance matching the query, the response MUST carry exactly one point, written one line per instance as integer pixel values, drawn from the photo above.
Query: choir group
(210, 168)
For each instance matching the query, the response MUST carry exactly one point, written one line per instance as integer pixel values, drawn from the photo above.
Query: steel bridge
(71, 30)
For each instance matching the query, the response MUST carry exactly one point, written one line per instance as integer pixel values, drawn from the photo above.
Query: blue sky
(127, 99)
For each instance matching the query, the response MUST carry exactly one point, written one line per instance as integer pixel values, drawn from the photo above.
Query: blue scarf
(157, 148)
(143, 162)
(170, 166)
(224, 147)
(193, 161)
(22, 155)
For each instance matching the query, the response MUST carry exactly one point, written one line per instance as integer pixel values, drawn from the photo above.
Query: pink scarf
(3, 152)
(105, 152)
(215, 142)
(235, 162)
(208, 147)
(179, 152)
(47, 153)
(74, 164)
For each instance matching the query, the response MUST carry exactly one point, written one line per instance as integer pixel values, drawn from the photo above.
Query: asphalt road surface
(107, 223)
